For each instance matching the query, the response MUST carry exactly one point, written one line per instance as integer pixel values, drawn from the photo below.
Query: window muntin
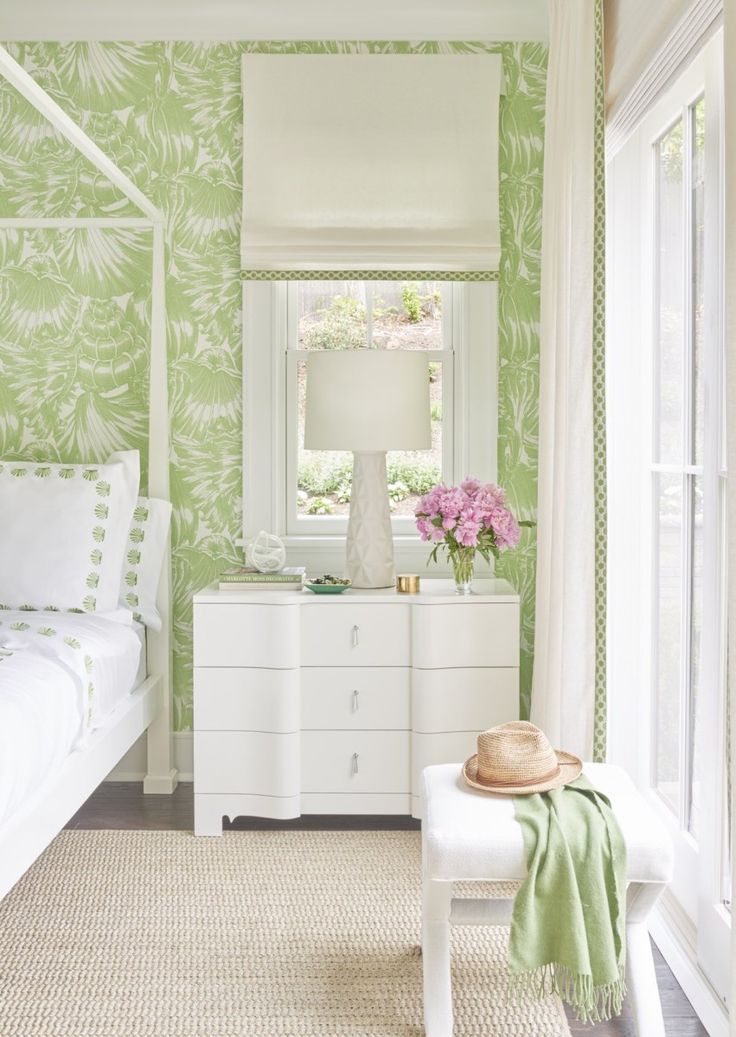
(668, 623)
(670, 309)
(697, 143)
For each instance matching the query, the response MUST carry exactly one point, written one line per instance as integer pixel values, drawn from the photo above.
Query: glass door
(687, 501)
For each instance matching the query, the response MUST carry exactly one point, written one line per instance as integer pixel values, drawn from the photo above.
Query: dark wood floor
(123, 805)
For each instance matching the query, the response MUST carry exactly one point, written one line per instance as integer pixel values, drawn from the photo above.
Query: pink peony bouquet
(463, 519)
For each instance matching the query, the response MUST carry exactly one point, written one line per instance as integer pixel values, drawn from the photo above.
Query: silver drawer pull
(355, 763)
(356, 702)
(355, 636)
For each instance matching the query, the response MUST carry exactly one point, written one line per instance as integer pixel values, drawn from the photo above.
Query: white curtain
(729, 94)
(564, 654)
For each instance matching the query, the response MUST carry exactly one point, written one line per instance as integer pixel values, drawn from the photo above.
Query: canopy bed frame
(148, 708)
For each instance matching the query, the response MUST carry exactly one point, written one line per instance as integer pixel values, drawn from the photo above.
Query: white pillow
(144, 555)
(63, 531)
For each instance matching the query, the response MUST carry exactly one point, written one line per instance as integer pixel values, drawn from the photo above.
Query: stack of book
(249, 579)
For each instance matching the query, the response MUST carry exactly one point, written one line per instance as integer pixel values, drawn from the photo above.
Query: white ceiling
(273, 19)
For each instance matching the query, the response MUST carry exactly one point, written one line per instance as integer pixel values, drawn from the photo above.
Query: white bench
(473, 836)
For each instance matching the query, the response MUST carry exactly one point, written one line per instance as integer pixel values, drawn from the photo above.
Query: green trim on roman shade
(599, 397)
(360, 159)
(370, 275)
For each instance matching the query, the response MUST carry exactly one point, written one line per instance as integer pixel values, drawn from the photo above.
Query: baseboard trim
(679, 954)
(132, 767)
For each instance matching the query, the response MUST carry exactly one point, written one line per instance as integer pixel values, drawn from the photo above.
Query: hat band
(515, 783)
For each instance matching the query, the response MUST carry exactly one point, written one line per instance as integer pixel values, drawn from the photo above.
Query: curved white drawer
(329, 763)
(464, 699)
(240, 699)
(355, 698)
(279, 728)
(477, 634)
(231, 761)
(246, 635)
(338, 633)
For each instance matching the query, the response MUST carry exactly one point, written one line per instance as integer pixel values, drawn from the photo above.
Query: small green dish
(327, 588)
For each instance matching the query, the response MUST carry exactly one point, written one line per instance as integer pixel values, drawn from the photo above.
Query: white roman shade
(370, 162)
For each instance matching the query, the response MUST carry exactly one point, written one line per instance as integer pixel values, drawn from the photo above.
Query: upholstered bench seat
(472, 836)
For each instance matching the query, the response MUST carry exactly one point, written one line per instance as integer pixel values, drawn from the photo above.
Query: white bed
(54, 749)
(62, 676)
(29, 829)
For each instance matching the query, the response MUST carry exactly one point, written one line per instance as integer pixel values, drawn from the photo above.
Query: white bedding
(61, 675)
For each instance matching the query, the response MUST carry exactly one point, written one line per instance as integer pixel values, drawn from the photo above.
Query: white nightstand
(334, 704)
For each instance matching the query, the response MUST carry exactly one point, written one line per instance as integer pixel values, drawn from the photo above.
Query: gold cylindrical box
(407, 583)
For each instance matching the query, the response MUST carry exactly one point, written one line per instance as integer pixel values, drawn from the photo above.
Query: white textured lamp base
(370, 545)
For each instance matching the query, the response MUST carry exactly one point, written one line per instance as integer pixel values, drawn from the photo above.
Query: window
(688, 482)
(667, 520)
(414, 315)
(304, 496)
(677, 466)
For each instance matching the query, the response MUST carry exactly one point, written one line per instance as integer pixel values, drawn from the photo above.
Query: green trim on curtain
(370, 275)
(599, 396)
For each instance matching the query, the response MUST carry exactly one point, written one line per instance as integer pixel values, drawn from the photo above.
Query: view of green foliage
(341, 327)
(412, 301)
(324, 473)
(319, 506)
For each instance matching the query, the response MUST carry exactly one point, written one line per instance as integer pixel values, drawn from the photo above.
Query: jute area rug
(311, 934)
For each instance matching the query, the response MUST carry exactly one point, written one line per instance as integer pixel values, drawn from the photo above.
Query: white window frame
(269, 444)
(693, 926)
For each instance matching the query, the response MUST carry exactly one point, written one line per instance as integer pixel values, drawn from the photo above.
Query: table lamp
(368, 401)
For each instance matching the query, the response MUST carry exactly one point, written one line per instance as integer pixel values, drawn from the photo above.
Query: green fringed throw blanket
(568, 922)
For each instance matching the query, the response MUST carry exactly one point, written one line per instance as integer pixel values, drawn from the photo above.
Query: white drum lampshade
(368, 401)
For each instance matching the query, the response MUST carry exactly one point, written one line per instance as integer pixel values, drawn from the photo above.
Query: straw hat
(517, 759)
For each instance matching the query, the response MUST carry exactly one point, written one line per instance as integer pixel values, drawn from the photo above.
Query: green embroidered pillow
(64, 531)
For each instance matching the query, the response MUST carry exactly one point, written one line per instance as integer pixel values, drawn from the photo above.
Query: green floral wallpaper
(74, 304)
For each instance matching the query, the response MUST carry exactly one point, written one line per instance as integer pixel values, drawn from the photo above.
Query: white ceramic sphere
(267, 553)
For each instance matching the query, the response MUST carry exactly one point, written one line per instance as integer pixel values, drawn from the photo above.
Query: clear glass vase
(463, 564)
